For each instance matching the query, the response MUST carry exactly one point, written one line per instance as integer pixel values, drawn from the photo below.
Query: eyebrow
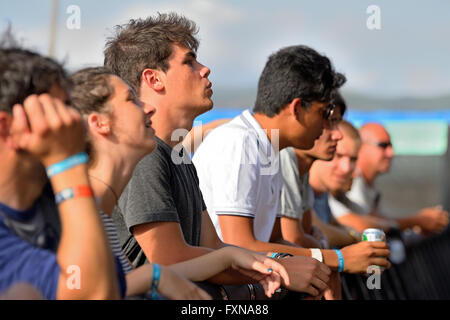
(131, 95)
(191, 54)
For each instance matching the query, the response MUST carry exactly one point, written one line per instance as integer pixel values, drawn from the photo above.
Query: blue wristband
(67, 164)
(341, 260)
(274, 255)
(155, 280)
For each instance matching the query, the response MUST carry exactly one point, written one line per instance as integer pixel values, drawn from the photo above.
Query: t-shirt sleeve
(337, 207)
(20, 262)
(231, 177)
(148, 196)
(291, 192)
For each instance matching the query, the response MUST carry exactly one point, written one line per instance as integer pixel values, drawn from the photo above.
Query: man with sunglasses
(362, 207)
(239, 167)
(300, 223)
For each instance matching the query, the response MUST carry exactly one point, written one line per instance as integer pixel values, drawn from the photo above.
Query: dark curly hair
(295, 72)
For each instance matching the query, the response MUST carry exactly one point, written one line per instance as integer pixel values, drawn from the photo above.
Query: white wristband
(316, 254)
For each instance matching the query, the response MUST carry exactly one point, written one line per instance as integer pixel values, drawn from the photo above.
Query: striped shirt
(111, 232)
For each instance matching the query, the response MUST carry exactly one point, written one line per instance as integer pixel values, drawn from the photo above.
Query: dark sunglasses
(382, 145)
(329, 111)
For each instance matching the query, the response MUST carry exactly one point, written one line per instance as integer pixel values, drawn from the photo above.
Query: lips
(148, 121)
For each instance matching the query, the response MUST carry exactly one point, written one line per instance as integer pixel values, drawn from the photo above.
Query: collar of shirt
(267, 148)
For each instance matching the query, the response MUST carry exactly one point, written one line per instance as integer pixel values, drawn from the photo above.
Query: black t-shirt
(161, 190)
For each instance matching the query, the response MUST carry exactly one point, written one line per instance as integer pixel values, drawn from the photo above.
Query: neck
(367, 175)
(304, 162)
(271, 125)
(108, 178)
(318, 187)
(171, 123)
(15, 179)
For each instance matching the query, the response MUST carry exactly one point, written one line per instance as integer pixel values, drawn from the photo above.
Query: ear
(295, 109)
(99, 124)
(153, 79)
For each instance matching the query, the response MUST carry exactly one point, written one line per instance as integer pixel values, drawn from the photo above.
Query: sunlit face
(336, 174)
(186, 82)
(325, 147)
(377, 151)
(130, 125)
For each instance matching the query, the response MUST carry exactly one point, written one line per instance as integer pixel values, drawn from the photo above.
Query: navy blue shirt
(321, 207)
(28, 244)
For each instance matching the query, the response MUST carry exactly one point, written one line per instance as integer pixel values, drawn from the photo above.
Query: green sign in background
(418, 137)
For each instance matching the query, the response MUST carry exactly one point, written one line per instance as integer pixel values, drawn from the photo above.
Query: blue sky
(408, 56)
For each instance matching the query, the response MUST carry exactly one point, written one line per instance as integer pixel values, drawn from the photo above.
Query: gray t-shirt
(295, 194)
(160, 191)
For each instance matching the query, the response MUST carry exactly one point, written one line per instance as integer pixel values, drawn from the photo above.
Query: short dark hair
(295, 72)
(148, 43)
(23, 73)
(339, 101)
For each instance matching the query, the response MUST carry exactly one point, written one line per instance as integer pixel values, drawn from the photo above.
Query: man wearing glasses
(238, 163)
(364, 210)
(300, 223)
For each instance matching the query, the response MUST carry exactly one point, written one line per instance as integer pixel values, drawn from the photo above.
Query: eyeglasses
(329, 111)
(382, 145)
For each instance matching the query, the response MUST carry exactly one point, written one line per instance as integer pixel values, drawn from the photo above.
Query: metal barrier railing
(423, 275)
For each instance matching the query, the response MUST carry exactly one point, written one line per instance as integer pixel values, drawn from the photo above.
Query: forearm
(204, 266)
(337, 237)
(139, 280)
(83, 241)
(329, 256)
(406, 223)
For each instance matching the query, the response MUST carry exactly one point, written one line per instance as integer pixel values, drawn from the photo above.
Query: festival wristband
(73, 192)
(341, 260)
(316, 254)
(277, 255)
(66, 164)
(155, 280)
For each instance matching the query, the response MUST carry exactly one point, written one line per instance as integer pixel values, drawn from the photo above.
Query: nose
(336, 134)
(389, 152)
(148, 109)
(204, 71)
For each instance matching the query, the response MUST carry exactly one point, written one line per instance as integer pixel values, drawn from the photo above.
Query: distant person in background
(328, 178)
(360, 207)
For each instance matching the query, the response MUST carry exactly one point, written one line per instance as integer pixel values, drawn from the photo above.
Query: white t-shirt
(364, 195)
(362, 199)
(239, 174)
(295, 194)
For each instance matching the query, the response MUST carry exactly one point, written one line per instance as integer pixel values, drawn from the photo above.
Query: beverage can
(373, 235)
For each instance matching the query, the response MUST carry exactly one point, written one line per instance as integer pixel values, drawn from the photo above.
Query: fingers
(278, 268)
(312, 291)
(378, 244)
(202, 295)
(319, 284)
(35, 113)
(325, 269)
(380, 253)
(382, 262)
(19, 127)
